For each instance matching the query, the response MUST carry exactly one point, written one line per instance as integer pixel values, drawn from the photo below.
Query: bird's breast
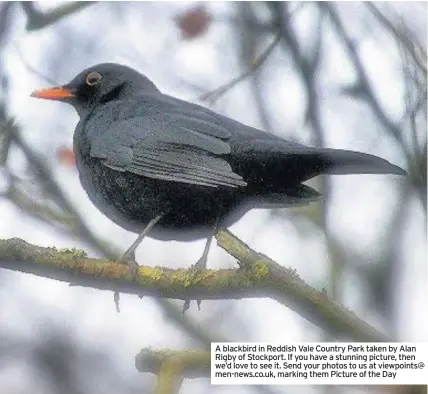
(131, 200)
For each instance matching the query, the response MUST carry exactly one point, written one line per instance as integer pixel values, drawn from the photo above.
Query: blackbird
(155, 164)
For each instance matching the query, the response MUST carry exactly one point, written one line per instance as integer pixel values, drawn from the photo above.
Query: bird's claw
(186, 306)
(199, 266)
(129, 260)
(117, 301)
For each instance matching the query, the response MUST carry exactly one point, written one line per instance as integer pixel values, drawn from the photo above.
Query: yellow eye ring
(93, 78)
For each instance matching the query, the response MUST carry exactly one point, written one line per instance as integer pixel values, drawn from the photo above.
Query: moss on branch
(257, 276)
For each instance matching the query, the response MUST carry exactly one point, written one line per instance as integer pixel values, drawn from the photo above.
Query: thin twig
(306, 70)
(363, 80)
(215, 94)
(37, 19)
(44, 174)
(401, 34)
(5, 142)
(249, 37)
(32, 70)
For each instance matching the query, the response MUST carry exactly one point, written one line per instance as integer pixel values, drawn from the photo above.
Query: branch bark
(172, 366)
(257, 276)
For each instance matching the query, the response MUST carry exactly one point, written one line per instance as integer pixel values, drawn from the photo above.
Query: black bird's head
(97, 85)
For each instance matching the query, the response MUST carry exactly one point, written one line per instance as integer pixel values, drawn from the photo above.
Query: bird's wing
(170, 146)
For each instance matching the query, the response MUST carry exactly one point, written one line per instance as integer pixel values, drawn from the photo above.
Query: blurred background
(340, 75)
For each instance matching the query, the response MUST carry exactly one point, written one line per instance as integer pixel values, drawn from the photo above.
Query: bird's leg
(129, 256)
(201, 264)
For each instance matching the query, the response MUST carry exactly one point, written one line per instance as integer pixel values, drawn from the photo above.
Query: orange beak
(55, 93)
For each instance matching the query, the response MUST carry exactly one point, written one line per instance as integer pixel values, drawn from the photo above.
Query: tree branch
(363, 80)
(403, 35)
(37, 19)
(172, 366)
(258, 276)
(214, 95)
(195, 363)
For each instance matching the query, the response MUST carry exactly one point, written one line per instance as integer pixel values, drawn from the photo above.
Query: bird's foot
(186, 305)
(127, 258)
(199, 266)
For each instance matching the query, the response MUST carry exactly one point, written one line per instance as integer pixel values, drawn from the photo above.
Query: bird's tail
(339, 162)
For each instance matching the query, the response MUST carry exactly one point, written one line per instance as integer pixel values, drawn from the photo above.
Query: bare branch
(38, 210)
(189, 364)
(45, 177)
(38, 20)
(363, 81)
(32, 70)
(6, 130)
(403, 35)
(311, 304)
(214, 95)
(306, 70)
(258, 276)
(217, 93)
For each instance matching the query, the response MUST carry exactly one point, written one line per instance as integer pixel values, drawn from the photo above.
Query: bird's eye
(93, 78)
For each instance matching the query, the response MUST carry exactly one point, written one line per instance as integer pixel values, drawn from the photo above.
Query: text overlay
(319, 363)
